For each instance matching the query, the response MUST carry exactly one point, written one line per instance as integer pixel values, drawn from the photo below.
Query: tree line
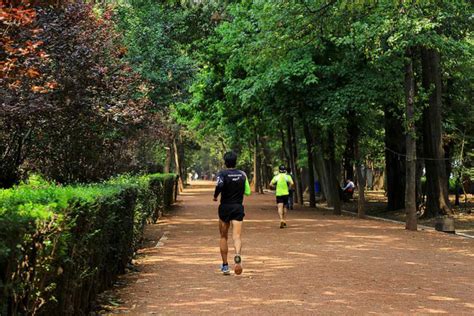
(329, 88)
(342, 85)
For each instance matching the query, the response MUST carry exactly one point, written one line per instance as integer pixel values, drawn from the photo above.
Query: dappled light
(320, 264)
(333, 140)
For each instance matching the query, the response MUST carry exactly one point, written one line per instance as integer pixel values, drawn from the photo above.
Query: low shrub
(61, 246)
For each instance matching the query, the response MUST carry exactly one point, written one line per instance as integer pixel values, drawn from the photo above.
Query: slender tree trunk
(420, 167)
(292, 157)
(410, 187)
(296, 170)
(167, 166)
(459, 184)
(394, 161)
(360, 177)
(309, 146)
(322, 172)
(325, 167)
(266, 164)
(333, 175)
(182, 165)
(177, 166)
(284, 152)
(256, 181)
(437, 191)
(349, 151)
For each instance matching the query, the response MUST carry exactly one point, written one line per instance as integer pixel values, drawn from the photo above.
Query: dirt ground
(377, 202)
(320, 264)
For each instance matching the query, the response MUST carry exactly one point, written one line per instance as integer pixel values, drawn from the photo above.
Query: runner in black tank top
(232, 184)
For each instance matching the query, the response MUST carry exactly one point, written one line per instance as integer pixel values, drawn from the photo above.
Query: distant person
(283, 183)
(348, 190)
(232, 184)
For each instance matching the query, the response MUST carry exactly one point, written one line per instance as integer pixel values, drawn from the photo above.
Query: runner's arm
(219, 185)
(247, 187)
(292, 184)
(274, 181)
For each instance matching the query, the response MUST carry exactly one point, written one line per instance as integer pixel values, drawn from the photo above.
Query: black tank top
(231, 185)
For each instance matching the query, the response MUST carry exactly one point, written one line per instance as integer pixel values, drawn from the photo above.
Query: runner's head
(282, 169)
(230, 159)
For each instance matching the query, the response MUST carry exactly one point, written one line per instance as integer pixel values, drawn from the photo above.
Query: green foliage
(82, 112)
(329, 64)
(58, 243)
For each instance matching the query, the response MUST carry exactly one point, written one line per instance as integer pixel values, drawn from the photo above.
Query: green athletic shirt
(282, 181)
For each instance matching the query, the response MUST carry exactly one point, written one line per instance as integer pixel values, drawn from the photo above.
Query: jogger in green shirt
(282, 182)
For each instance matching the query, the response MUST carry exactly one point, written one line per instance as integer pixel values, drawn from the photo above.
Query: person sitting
(348, 190)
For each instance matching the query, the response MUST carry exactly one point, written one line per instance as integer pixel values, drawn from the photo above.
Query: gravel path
(321, 264)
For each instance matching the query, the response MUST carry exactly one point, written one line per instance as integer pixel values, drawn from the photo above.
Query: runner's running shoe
(225, 269)
(238, 266)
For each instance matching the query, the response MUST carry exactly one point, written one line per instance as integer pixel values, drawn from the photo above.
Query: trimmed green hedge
(61, 246)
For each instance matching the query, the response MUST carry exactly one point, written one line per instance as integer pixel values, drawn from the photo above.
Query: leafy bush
(60, 246)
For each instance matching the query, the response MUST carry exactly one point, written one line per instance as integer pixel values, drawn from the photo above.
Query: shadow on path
(320, 264)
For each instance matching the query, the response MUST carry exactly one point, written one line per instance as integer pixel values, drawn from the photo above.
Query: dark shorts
(231, 212)
(282, 199)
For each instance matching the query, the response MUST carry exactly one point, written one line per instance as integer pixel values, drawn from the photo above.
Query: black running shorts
(282, 199)
(231, 212)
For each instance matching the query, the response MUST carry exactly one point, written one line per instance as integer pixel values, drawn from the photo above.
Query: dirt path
(321, 264)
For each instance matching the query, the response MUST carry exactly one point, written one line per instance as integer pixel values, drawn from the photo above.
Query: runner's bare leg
(236, 232)
(236, 235)
(224, 230)
(281, 211)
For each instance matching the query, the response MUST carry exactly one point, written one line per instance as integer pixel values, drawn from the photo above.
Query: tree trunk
(167, 166)
(349, 151)
(448, 154)
(410, 187)
(334, 187)
(394, 161)
(360, 177)
(284, 152)
(437, 202)
(294, 166)
(266, 164)
(177, 166)
(292, 160)
(321, 170)
(309, 146)
(459, 184)
(256, 181)
(326, 170)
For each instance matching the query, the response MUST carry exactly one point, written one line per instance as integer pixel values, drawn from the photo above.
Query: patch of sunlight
(339, 301)
(415, 263)
(423, 309)
(442, 298)
(374, 237)
(303, 254)
(204, 302)
(358, 247)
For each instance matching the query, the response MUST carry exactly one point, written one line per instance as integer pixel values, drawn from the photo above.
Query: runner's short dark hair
(230, 159)
(282, 168)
